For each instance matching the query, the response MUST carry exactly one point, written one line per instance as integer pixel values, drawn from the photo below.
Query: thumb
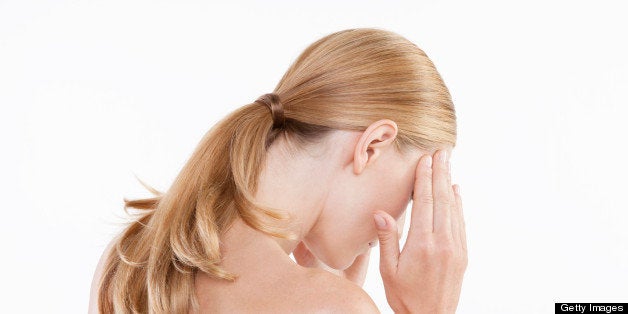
(388, 235)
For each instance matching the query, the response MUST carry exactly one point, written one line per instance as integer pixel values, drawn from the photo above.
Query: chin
(337, 265)
(340, 263)
(350, 260)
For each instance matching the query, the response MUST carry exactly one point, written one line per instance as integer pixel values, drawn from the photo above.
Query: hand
(355, 273)
(426, 277)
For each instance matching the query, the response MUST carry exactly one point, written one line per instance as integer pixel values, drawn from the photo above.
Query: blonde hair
(345, 80)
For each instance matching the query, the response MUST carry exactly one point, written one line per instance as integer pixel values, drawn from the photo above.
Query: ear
(374, 139)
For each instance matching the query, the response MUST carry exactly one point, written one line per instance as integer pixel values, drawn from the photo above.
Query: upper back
(293, 289)
(303, 290)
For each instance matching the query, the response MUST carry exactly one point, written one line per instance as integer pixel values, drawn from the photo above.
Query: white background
(95, 92)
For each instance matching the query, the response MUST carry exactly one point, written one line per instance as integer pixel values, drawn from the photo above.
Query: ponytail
(153, 265)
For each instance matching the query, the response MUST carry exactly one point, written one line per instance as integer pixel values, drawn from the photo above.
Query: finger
(400, 224)
(422, 215)
(455, 218)
(442, 196)
(462, 229)
(388, 243)
(452, 207)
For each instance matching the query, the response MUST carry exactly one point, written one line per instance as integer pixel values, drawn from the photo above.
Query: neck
(296, 184)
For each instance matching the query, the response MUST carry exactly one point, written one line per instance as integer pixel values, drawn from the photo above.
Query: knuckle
(426, 199)
(444, 199)
(385, 237)
(427, 248)
(446, 252)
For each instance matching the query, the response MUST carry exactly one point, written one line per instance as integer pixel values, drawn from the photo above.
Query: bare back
(298, 290)
(269, 282)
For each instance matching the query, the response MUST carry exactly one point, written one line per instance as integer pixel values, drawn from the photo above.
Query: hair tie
(272, 101)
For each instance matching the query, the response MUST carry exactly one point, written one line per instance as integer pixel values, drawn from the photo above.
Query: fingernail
(380, 221)
(443, 156)
(428, 161)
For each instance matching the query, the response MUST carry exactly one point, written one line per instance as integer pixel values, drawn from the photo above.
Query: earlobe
(376, 137)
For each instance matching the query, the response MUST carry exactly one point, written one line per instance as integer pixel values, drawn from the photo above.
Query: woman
(321, 168)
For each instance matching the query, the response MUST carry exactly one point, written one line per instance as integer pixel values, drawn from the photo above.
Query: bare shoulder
(338, 295)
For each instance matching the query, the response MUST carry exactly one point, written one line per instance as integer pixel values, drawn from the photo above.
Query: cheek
(398, 196)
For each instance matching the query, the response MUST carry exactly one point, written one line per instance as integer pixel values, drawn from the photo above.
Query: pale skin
(332, 191)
